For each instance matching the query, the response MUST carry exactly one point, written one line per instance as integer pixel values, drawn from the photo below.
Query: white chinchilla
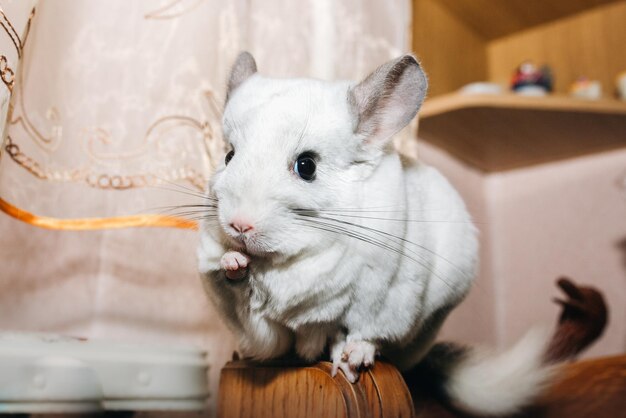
(319, 236)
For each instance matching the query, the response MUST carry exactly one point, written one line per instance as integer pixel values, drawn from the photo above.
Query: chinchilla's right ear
(243, 68)
(387, 100)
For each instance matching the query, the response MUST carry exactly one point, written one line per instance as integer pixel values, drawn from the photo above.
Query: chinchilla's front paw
(235, 264)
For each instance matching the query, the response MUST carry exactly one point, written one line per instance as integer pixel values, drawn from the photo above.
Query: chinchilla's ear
(243, 68)
(387, 100)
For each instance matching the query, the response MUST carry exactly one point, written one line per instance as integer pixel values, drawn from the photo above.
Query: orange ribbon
(87, 224)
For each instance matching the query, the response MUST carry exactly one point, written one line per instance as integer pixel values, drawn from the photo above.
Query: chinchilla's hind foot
(352, 356)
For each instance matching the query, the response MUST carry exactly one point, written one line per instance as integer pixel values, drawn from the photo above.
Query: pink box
(565, 218)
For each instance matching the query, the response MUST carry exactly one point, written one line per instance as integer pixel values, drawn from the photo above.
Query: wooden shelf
(454, 101)
(502, 132)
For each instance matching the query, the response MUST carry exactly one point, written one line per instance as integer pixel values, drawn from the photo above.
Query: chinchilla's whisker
(351, 209)
(228, 125)
(198, 195)
(375, 210)
(370, 240)
(398, 238)
(350, 213)
(387, 234)
(344, 215)
(370, 209)
(190, 205)
(343, 231)
(233, 125)
(236, 127)
(191, 213)
(306, 121)
(373, 238)
(200, 218)
(179, 210)
(389, 237)
(165, 209)
(207, 216)
(173, 183)
(421, 261)
(169, 210)
(180, 188)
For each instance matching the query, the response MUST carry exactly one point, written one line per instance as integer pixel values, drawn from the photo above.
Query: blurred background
(526, 116)
(111, 110)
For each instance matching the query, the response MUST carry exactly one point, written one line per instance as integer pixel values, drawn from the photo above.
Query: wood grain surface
(451, 52)
(499, 133)
(283, 390)
(494, 19)
(592, 44)
(463, 41)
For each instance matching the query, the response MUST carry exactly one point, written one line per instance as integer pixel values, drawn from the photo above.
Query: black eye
(229, 156)
(305, 166)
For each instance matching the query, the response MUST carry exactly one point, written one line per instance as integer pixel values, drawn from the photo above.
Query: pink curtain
(112, 108)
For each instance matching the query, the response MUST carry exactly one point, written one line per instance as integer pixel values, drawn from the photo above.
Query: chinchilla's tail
(487, 383)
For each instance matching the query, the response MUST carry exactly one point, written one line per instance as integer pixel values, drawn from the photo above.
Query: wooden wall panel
(591, 43)
(496, 18)
(451, 52)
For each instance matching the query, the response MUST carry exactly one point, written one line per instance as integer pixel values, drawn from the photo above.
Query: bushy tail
(496, 384)
(487, 383)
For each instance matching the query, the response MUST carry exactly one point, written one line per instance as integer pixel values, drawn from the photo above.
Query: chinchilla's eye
(305, 166)
(229, 156)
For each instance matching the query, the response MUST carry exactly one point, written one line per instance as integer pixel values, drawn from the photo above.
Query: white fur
(499, 384)
(312, 288)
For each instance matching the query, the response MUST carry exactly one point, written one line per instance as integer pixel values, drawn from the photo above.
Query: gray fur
(385, 101)
(243, 68)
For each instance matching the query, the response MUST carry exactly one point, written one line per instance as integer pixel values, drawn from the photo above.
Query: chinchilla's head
(297, 146)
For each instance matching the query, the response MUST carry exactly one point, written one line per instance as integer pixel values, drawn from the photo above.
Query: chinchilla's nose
(241, 225)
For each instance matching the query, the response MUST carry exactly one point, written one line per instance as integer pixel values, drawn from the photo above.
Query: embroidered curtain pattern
(110, 109)
(112, 100)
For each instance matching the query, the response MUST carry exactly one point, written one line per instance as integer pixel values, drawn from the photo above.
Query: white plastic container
(53, 374)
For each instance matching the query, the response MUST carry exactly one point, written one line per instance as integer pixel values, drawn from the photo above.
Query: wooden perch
(593, 388)
(289, 391)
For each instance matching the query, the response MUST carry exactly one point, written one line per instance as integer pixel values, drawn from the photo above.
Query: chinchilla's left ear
(387, 100)
(243, 68)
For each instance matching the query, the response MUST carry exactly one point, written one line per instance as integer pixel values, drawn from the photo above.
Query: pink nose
(241, 226)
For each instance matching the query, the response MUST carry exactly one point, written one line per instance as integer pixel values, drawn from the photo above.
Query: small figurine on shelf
(531, 81)
(584, 88)
(620, 82)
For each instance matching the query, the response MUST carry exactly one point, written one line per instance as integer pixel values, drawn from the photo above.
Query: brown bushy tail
(482, 383)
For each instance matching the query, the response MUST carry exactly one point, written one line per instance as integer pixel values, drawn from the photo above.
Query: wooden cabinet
(461, 41)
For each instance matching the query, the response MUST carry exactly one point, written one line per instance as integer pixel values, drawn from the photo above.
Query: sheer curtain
(112, 110)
